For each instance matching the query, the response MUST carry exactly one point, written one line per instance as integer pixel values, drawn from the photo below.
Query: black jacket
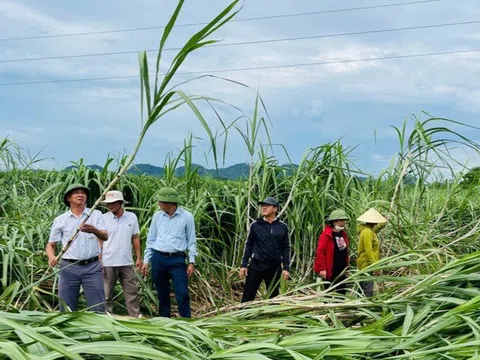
(268, 245)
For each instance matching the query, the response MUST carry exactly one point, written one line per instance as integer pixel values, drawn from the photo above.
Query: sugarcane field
(308, 247)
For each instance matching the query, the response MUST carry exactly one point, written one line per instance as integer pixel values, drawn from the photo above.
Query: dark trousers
(255, 278)
(90, 277)
(367, 287)
(166, 268)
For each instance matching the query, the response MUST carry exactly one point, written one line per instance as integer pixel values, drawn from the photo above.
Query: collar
(261, 219)
(177, 212)
(112, 215)
(85, 211)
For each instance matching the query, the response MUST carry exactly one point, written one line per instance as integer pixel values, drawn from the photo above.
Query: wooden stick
(406, 165)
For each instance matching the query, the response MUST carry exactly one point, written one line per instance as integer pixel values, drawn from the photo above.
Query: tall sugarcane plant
(161, 101)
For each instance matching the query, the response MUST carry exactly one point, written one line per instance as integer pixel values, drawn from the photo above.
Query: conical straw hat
(372, 216)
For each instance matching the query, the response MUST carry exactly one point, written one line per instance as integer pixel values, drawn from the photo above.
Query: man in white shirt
(80, 265)
(117, 259)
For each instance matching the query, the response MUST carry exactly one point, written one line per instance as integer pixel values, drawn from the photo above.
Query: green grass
(439, 219)
(421, 317)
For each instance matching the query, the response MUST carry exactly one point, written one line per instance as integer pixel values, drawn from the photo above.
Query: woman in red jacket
(332, 251)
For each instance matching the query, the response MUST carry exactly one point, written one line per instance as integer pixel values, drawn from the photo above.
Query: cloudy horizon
(308, 106)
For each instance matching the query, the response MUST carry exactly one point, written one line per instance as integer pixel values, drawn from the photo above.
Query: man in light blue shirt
(80, 265)
(170, 237)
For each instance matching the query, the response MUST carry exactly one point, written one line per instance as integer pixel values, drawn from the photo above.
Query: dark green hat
(74, 187)
(168, 195)
(338, 215)
(270, 201)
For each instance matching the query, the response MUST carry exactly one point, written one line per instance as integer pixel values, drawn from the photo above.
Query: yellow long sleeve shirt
(368, 245)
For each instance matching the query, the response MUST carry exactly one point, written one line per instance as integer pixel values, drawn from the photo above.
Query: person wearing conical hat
(371, 222)
(332, 257)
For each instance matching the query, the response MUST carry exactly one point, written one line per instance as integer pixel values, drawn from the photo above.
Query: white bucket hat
(372, 216)
(113, 196)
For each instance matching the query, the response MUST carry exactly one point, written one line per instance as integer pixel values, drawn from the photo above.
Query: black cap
(270, 201)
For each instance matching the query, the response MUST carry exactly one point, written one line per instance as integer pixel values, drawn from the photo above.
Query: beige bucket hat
(372, 216)
(113, 196)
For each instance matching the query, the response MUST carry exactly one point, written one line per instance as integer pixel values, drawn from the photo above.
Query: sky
(305, 106)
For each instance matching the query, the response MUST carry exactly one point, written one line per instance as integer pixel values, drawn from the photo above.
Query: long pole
(72, 238)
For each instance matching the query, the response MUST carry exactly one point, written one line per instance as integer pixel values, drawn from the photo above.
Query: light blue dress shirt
(85, 245)
(171, 234)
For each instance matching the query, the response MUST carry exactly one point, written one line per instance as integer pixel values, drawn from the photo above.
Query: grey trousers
(126, 275)
(367, 287)
(89, 277)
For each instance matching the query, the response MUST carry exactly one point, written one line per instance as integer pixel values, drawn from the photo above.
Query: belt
(171, 254)
(82, 262)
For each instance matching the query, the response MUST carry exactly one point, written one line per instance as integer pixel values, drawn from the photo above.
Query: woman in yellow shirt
(368, 244)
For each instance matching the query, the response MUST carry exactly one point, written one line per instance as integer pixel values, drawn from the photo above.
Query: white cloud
(26, 135)
(18, 20)
(28, 16)
(303, 91)
(382, 158)
(317, 109)
(466, 157)
(391, 80)
(109, 93)
(106, 132)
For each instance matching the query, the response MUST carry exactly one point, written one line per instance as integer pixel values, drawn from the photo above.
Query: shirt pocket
(129, 228)
(68, 231)
(178, 231)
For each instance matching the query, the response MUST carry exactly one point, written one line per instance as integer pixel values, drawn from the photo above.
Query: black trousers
(255, 278)
(367, 287)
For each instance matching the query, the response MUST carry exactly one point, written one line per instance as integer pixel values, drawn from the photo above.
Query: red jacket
(325, 250)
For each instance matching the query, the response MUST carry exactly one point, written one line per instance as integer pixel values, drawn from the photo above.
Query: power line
(233, 20)
(253, 68)
(249, 42)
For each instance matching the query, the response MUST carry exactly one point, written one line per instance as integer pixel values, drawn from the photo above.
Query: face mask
(339, 228)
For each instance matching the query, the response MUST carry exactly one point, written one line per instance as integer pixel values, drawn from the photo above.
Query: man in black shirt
(268, 249)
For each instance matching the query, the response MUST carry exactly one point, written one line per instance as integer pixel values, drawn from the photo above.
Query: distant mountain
(147, 169)
(233, 172)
